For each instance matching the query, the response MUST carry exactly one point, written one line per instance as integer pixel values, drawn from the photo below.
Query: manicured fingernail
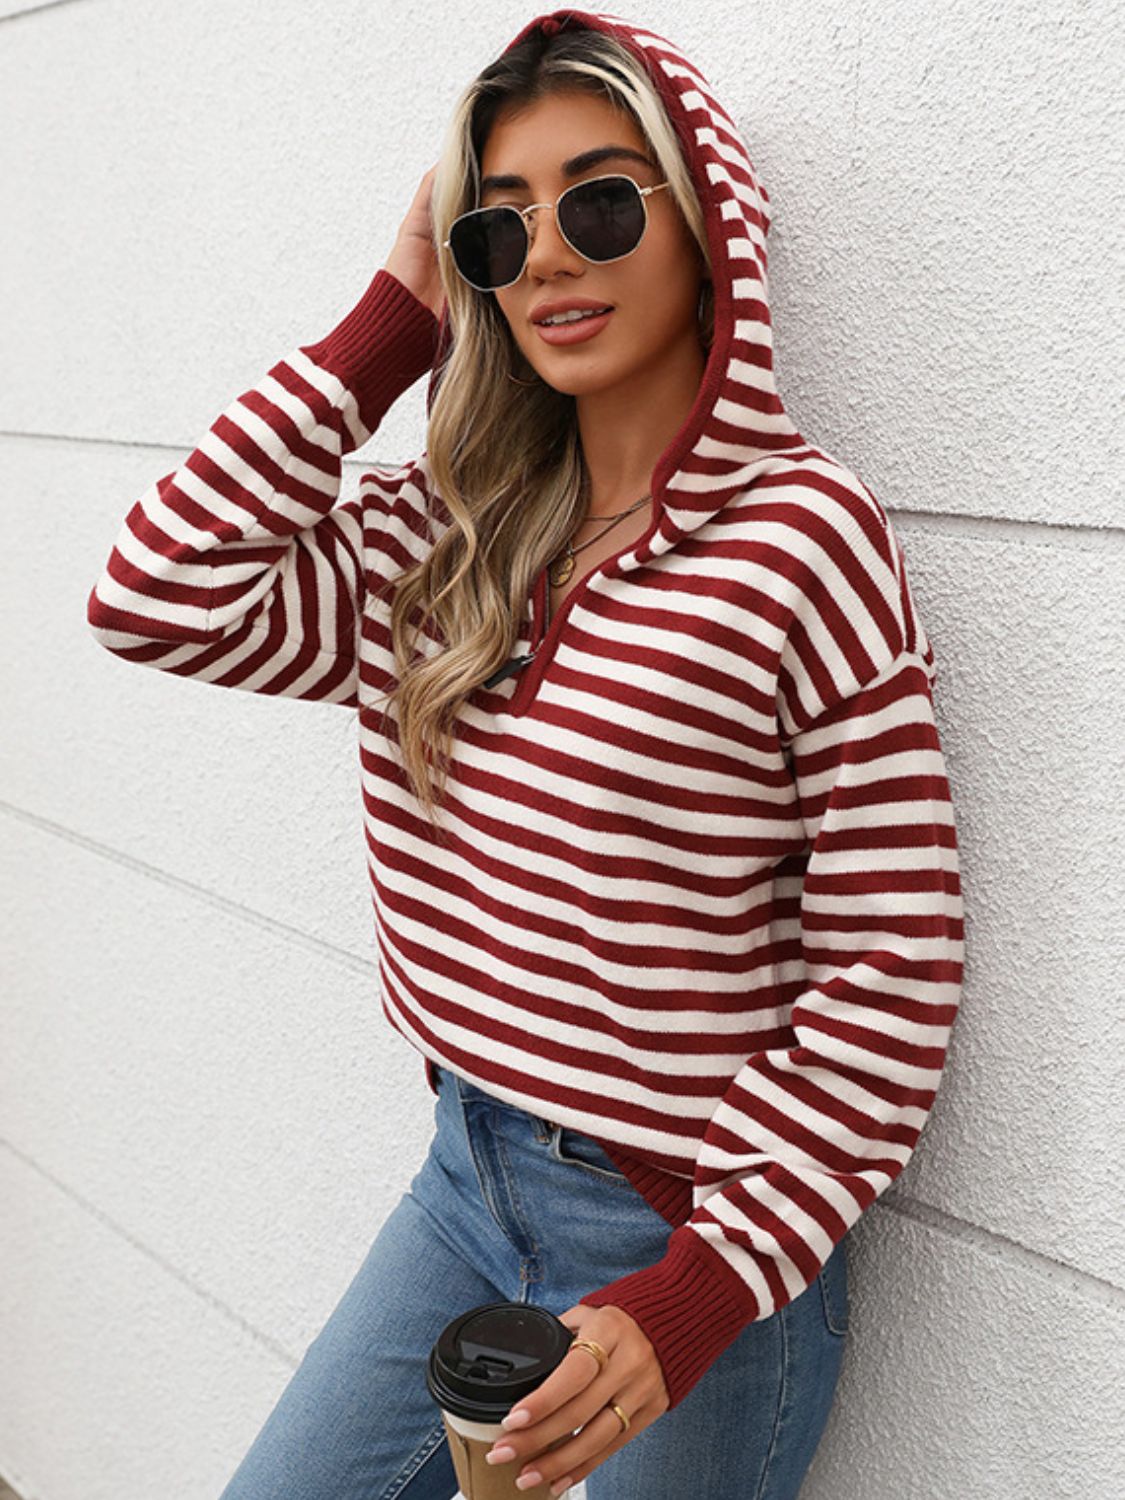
(561, 1484)
(500, 1455)
(526, 1481)
(518, 1418)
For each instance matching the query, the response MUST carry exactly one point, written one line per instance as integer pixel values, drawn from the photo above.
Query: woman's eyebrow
(572, 167)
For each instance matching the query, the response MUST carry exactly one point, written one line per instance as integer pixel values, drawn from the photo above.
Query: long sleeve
(808, 1136)
(239, 567)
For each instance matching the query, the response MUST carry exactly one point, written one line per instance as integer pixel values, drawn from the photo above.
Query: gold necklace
(560, 571)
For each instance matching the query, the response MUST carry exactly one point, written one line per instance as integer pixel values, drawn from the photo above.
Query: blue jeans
(510, 1206)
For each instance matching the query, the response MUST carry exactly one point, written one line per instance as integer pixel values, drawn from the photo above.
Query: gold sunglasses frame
(529, 226)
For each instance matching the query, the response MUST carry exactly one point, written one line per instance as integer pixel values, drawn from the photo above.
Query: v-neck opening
(545, 633)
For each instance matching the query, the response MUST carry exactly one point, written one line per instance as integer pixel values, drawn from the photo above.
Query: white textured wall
(203, 1116)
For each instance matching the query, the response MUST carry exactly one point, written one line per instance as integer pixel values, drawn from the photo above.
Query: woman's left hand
(577, 1395)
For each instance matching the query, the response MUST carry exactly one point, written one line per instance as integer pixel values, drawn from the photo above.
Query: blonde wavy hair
(505, 458)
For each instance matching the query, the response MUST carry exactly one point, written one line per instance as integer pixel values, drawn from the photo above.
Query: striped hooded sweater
(699, 896)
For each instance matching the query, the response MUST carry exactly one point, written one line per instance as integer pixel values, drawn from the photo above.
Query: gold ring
(592, 1347)
(622, 1418)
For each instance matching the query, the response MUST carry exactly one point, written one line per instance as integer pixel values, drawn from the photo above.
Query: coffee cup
(482, 1364)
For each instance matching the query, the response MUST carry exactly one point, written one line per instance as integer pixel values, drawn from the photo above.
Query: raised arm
(240, 567)
(236, 567)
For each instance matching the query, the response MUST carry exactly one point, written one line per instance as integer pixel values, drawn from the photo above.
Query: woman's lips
(573, 333)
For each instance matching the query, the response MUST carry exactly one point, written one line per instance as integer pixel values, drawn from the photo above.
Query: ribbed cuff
(691, 1305)
(381, 347)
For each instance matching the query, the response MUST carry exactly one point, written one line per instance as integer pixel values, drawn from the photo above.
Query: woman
(663, 860)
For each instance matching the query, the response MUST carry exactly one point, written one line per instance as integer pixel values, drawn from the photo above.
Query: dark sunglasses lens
(603, 220)
(488, 246)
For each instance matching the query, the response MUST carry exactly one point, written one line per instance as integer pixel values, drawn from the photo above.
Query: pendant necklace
(561, 569)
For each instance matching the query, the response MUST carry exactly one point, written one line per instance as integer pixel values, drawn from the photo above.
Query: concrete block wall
(204, 1118)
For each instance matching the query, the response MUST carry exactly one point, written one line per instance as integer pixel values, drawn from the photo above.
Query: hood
(738, 423)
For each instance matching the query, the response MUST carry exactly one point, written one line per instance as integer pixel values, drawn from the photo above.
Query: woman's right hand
(413, 259)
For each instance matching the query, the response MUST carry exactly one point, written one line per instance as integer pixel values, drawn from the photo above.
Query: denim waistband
(468, 1091)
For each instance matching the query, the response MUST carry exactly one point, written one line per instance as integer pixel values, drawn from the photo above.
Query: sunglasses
(603, 219)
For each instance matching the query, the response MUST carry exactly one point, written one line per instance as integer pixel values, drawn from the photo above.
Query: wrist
(381, 346)
(424, 287)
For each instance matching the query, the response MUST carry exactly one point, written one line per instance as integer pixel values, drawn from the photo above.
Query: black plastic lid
(492, 1356)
